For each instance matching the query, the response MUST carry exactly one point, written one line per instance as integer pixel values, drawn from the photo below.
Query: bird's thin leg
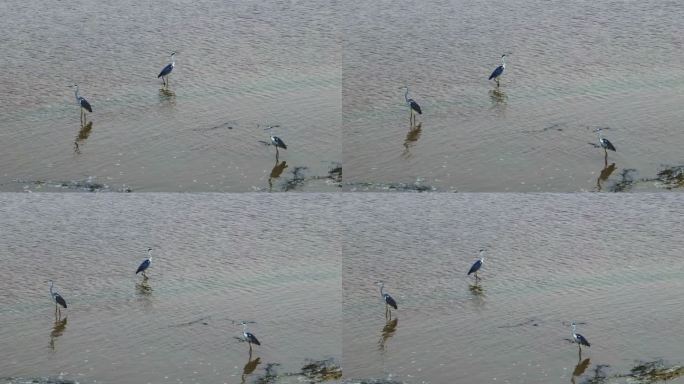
(605, 160)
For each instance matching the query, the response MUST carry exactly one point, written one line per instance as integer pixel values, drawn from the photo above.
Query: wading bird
(499, 70)
(145, 264)
(249, 337)
(605, 144)
(166, 71)
(389, 301)
(275, 140)
(278, 142)
(413, 106)
(82, 103)
(579, 339)
(477, 265)
(58, 299)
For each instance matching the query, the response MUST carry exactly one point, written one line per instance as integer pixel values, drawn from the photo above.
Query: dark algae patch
(314, 371)
(322, 370)
(643, 373)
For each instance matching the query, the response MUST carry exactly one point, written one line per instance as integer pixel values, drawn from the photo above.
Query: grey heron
(499, 70)
(412, 104)
(166, 71)
(477, 265)
(389, 301)
(145, 264)
(82, 103)
(58, 299)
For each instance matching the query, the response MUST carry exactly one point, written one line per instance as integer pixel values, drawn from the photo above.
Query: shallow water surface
(572, 67)
(611, 263)
(218, 259)
(239, 64)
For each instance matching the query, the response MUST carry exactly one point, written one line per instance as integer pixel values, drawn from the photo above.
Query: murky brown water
(611, 263)
(267, 259)
(573, 67)
(239, 65)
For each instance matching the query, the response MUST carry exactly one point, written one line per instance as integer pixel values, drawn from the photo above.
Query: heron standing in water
(82, 103)
(605, 144)
(477, 265)
(413, 106)
(389, 301)
(166, 71)
(499, 70)
(145, 264)
(249, 337)
(58, 299)
(579, 339)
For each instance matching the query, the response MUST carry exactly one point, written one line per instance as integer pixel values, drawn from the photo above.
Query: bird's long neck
(503, 61)
(406, 95)
(382, 294)
(244, 328)
(51, 285)
(173, 60)
(76, 92)
(574, 329)
(600, 136)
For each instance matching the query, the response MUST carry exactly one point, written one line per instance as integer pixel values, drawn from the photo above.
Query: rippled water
(239, 64)
(573, 67)
(611, 263)
(218, 259)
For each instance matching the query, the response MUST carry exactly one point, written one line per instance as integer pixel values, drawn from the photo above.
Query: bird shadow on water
(83, 134)
(57, 330)
(411, 139)
(388, 331)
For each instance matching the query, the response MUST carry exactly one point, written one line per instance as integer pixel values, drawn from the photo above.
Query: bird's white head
(482, 252)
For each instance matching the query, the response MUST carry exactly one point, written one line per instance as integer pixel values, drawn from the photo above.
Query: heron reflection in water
(250, 367)
(277, 170)
(497, 96)
(57, 331)
(387, 332)
(143, 287)
(412, 137)
(605, 174)
(166, 94)
(82, 136)
(581, 366)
